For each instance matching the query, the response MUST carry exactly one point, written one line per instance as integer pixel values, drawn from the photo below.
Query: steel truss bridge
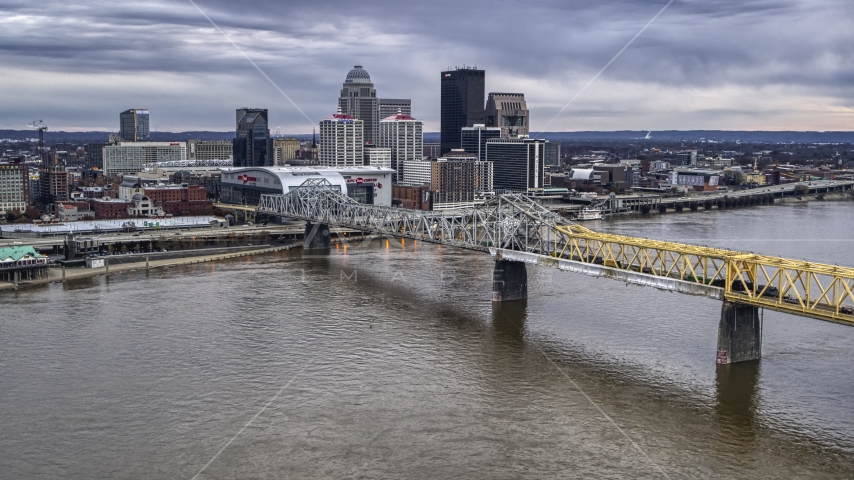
(513, 227)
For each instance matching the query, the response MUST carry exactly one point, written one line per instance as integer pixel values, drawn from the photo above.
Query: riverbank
(55, 275)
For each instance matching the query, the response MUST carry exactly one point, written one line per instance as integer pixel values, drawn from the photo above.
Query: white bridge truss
(512, 222)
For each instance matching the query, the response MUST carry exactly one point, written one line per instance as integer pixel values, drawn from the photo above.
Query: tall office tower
(285, 149)
(462, 103)
(517, 163)
(405, 136)
(509, 112)
(393, 106)
(473, 139)
(342, 141)
(359, 100)
(133, 125)
(252, 146)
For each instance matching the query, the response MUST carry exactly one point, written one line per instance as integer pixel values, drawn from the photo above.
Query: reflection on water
(508, 320)
(408, 370)
(736, 403)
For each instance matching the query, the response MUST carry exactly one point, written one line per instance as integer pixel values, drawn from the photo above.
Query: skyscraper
(252, 145)
(133, 125)
(405, 136)
(473, 139)
(359, 100)
(462, 103)
(393, 106)
(342, 141)
(509, 112)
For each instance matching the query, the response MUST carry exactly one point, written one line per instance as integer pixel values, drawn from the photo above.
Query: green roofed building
(22, 263)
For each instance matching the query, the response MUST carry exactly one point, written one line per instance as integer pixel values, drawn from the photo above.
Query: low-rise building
(107, 208)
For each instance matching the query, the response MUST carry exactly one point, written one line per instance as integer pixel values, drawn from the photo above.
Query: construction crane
(41, 127)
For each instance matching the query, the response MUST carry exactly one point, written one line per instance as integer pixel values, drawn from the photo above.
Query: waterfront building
(210, 150)
(366, 184)
(473, 139)
(517, 163)
(21, 262)
(460, 179)
(342, 141)
(129, 157)
(462, 92)
(359, 100)
(133, 125)
(14, 187)
(404, 135)
(252, 145)
(509, 112)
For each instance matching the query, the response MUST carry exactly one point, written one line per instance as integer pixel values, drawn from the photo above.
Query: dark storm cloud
(165, 54)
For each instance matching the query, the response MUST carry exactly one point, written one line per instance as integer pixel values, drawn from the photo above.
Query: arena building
(365, 184)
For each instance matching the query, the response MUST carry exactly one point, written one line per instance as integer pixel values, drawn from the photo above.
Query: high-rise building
(394, 106)
(252, 146)
(210, 150)
(14, 186)
(686, 158)
(342, 141)
(460, 178)
(473, 139)
(285, 149)
(405, 136)
(53, 185)
(509, 112)
(416, 172)
(95, 155)
(462, 103)
(517, 163)
(133, 125)
(359, 100)
(376, 156)
(129, 157)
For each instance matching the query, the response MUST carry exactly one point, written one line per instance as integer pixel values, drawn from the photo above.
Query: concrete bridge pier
(739, 333)
(509, 281)
(317, 236)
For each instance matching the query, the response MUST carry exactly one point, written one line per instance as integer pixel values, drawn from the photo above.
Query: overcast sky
(703, 64)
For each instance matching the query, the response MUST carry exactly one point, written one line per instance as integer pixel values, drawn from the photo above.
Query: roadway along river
(404, 369)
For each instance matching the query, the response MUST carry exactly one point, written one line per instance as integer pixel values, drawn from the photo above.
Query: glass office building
(133, 125)
(252, 145)
(462, 104)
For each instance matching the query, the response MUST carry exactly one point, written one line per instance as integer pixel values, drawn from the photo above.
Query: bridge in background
(517, 231)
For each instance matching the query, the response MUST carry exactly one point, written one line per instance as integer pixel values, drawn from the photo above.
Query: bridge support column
(316, 236)
(739, 333)
(509, 281)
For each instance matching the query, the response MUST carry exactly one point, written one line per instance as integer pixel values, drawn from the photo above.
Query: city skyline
(762, 65)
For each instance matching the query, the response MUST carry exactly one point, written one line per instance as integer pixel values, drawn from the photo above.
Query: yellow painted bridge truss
(799, 287)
